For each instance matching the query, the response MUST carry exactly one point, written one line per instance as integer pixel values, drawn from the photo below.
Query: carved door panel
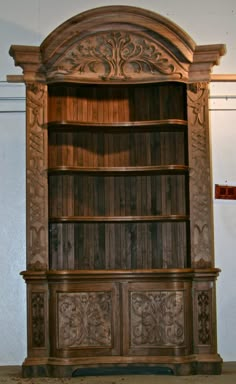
(84, 320)
(157, 318)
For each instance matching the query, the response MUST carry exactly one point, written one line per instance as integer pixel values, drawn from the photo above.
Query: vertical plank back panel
(118, 245)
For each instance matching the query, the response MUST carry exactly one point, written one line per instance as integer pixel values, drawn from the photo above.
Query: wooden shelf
(159, 169)
(91, 125)
(112, 219)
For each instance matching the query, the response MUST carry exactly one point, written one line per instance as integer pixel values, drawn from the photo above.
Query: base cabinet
(117, 318)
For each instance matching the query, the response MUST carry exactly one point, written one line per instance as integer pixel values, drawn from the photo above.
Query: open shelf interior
(118, 245)
(116, 103)
(138, 195)
(113, 149)
(118, 176)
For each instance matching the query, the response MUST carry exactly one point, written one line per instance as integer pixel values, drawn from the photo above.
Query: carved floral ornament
(157, 318)
(85, 319)
(116, 56)
(204, 317)
(38, 323)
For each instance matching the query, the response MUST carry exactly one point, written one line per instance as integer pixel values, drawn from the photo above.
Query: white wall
(28, 22)
(223, 141)
(12, 225)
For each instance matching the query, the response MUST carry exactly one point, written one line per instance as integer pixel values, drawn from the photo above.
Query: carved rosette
(200, 183)
(84, 319)
(37, 213)
(157, 318)
(116, 56)
(37, 316)
(204, 317)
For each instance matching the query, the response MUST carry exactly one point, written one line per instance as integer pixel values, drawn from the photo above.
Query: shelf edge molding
(161, 169)
(107, 219)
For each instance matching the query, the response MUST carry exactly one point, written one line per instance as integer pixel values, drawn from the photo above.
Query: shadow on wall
(13, 34)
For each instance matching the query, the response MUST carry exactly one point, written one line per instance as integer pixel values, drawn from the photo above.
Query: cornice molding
(117, 44)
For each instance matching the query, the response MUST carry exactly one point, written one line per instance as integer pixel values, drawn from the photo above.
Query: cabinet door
(157, 319)
(84, 320)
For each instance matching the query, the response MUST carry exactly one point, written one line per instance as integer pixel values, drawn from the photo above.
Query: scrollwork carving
(203, 300)
(38, 324)
(202, 264)
(157, 318)
(198, 98)
(116, 56)
(84, 319)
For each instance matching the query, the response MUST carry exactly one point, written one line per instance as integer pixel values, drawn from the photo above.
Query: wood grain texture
(118, 245)
(200, 182)
(36, 177)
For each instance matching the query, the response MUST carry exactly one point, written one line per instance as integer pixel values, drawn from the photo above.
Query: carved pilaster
(204, 318)
(38, 322)
(200, 181)
(37, 313)
(36, 189)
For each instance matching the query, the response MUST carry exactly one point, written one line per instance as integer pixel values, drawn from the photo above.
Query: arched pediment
(116, 44)
(116, 56)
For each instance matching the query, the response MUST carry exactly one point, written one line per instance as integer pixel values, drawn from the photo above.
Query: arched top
(105, 19)
(117, 44)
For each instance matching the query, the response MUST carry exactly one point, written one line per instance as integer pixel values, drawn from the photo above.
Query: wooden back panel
(118, 180)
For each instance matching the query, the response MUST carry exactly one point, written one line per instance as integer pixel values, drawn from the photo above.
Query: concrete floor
(12, 375)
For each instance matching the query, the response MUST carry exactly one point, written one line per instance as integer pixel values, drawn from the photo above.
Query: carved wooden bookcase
(120, 264)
